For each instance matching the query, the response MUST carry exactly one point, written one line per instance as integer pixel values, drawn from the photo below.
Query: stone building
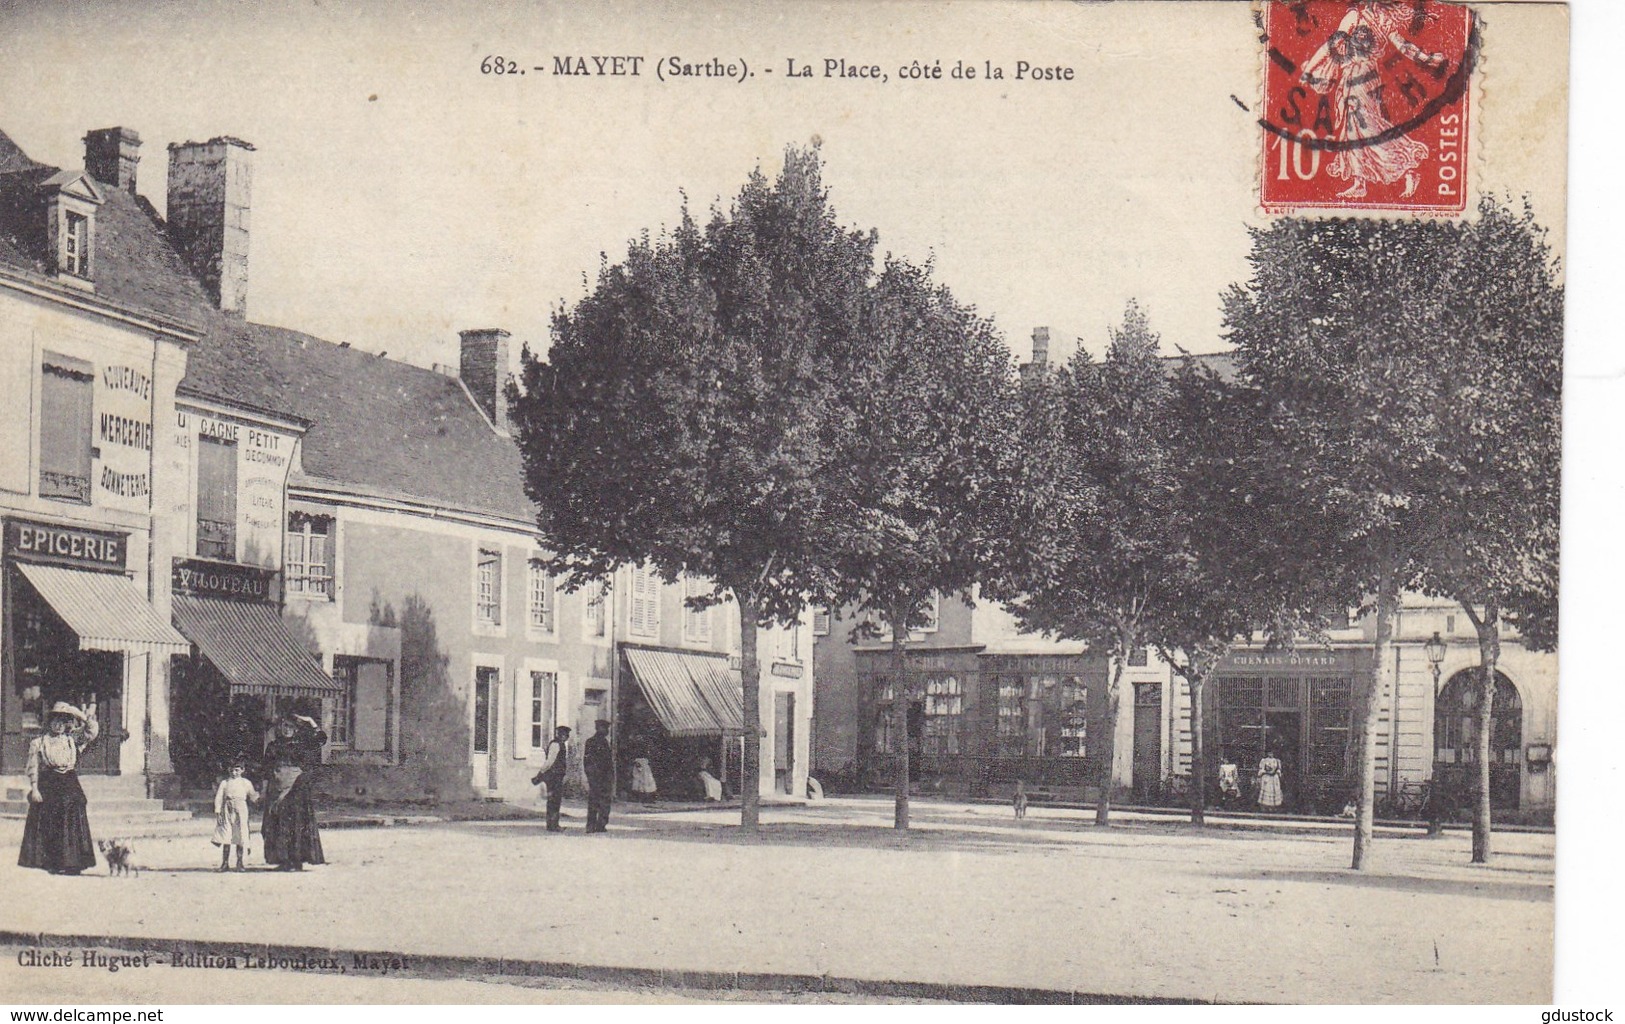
(990, 705)
(220, 520)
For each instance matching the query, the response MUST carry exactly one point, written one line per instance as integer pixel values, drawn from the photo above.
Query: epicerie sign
(65, 545)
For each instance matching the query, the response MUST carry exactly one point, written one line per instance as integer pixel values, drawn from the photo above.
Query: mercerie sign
(30, 541)
(196, 577)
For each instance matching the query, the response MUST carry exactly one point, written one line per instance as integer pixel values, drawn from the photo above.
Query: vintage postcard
(928, 501)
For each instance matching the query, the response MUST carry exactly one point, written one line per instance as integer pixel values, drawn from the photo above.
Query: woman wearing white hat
(56, 837)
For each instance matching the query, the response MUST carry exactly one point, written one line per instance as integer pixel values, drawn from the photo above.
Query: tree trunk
(1108, 746)
(899, 708)
(1489, 652)
(750, 675)
(1197, 682)
(1381, 675)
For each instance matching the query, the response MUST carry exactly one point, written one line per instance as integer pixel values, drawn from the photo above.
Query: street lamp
(1434, 649)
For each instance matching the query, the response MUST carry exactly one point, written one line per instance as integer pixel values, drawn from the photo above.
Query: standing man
(600, 766)
(552, 774)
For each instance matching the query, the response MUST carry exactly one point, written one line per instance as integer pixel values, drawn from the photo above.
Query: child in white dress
(231, 815)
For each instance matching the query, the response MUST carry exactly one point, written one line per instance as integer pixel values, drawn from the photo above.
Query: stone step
(18, 810)
(111, 787)
(98, 804)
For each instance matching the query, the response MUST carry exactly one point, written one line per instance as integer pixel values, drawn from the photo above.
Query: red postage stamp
(1365, 105)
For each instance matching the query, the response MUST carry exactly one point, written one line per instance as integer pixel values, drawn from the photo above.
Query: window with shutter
(307, 562)
(488, 588)
(696, 624)
(645, 611)
(216, 498)
(372, 705)
(596, 598)
(65, 430)
(820, 622)
(543, 599)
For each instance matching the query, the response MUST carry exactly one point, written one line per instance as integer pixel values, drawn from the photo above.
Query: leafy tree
(1498, 496)
(1376, 362)
(928, 387)
(1102, 557)
(1231, 580)
(686, 414)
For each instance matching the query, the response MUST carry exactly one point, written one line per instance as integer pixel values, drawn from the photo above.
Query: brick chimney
(111, 155)
(483, 368)
(1040, 347)
(209, 185)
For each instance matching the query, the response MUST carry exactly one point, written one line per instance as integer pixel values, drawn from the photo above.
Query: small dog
(120, 856)
(1019, 801)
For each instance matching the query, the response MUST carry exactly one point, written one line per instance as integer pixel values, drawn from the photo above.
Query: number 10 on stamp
(1366, 105)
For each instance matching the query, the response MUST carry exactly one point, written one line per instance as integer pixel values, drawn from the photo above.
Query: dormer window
(76, 245)
(71, 199)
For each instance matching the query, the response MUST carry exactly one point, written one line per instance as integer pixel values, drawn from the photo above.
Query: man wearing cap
(599, 761)
(552, 775)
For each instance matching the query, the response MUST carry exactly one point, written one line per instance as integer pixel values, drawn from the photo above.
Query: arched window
(1455, 737)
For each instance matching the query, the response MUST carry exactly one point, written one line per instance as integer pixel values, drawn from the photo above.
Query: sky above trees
(400, 195)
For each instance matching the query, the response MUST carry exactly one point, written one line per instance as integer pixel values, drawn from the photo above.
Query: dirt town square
(1147, 909)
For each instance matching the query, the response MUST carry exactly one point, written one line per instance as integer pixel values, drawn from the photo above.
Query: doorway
(784, 742)
(1283, 731)
(487, 686)
(45, 665)
(1147, 742)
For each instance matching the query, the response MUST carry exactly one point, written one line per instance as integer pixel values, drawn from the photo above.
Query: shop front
(684, 715)
(76, 629)
(245, 667)
(1297, 707)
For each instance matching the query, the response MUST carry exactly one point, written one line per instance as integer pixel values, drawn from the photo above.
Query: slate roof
(383, 426)
(133, 263)
(1222, 363)
(379, 426)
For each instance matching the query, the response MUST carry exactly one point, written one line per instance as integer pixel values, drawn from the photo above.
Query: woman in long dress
(1269, 782)
(289, 830)
(1346, 67)
(56, 836)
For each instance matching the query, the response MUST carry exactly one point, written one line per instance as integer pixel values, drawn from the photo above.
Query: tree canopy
(1411, 371)
(687, 414)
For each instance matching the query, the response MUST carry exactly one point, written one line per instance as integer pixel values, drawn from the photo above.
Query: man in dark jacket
(552, 774)
(599, 762)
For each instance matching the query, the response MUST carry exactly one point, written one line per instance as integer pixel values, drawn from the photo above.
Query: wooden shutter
(369, 710)
(521, 714)
(17, 411)
(65, 426)
(217, 498)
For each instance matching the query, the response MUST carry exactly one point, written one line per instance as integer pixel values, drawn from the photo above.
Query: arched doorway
(1455, 740)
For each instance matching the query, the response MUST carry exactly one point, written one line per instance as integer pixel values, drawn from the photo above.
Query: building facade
(283, 523)
(989, 706)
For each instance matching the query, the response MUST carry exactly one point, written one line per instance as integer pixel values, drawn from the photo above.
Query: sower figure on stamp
(1346, 67)
(552, 775)
(599, 761)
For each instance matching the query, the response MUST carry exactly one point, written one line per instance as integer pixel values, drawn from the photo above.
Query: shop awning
(692, 694)
(251, 647)
(104, 610)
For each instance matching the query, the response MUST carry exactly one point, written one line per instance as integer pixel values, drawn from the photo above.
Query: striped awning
(251, 647)
(104, 610)
(692, 694)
